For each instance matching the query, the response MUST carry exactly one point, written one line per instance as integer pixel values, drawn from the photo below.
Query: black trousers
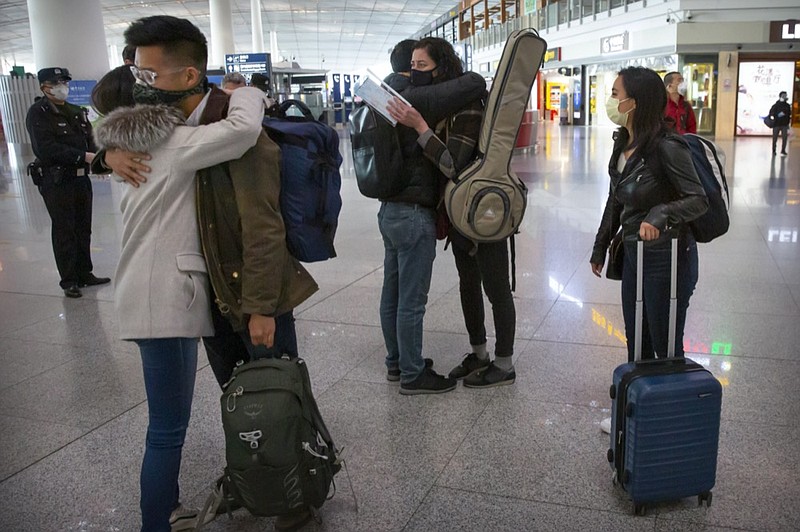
(69, 205)
(228, 347)
(487, 267)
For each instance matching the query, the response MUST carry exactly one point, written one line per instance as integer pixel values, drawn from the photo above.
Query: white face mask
(682, 88)
(60, 91)
(612, 110)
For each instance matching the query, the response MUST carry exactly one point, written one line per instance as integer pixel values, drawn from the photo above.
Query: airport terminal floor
(526, 457)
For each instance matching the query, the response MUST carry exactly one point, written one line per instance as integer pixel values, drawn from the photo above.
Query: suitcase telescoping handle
(673, 299)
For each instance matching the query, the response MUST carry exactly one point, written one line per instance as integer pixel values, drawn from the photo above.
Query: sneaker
(91, 280)
(605, 425)
(784, 154)
(183, 518)
(393, 375)
(293, 521)
(489, 377)
(428, 382)
(468, 367)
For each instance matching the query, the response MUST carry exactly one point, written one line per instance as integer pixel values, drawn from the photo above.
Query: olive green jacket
(242, 232)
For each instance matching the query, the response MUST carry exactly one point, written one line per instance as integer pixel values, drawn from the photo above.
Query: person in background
(481, 267)
(233, 81)
(61, 137)
(654, 192)
(128, 56)
(679, 114)
(781, 115)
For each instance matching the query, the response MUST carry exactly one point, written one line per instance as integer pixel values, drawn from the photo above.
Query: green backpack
(280, 456)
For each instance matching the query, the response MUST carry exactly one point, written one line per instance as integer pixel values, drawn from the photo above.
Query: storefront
(761, 79)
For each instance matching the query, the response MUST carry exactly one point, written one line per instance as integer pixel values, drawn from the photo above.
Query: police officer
(61, 136)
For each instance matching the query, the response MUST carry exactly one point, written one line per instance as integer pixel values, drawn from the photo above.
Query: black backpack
(377, 155)
(709, 163)
(280, 457)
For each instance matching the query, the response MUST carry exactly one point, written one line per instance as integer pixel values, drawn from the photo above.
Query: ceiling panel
(348, 34)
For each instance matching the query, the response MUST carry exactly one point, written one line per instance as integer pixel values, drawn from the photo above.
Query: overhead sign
(248, 63)
(784, 31)
(614, 43)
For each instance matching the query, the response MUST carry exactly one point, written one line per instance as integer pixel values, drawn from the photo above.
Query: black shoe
(489, 377)
(428, 382)
(73, 291)
(468, 367)
(393, 375)
(784, 154)
(293, 521)
(91, 280)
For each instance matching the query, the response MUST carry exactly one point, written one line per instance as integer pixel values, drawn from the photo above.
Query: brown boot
(293, 521)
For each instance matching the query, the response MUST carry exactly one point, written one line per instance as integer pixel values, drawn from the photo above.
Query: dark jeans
(487, 267)
(169, 366)
(655, 295)
(227, 347)
(784, 132)
(69, 205)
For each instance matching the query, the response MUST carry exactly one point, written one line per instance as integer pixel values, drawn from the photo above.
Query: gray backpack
(280, 456)
(487, 201)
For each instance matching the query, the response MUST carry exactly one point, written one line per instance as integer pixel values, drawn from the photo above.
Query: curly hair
(448, 64)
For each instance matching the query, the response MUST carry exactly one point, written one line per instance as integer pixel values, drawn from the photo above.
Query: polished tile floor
(523, 457)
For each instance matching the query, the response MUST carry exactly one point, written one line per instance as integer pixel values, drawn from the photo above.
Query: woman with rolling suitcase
(654, 192)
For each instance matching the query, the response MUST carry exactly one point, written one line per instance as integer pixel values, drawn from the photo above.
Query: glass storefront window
(617, 3)
(600, 6)
(700, 81)
(575, 7)
(588, 8)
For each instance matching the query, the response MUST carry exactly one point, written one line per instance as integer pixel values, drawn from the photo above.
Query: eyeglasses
(149, 76)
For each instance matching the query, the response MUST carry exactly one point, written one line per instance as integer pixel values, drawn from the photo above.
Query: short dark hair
(400, 57)
(782, 93)
(669, 77)
(114, 90)
(448, 64)
(129, 53)
(646, 88)
(179, 39)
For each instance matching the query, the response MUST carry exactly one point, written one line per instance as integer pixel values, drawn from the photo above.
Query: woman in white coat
(162, 293)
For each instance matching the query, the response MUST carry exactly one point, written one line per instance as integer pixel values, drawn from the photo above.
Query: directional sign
(80, 92)
(248, 64)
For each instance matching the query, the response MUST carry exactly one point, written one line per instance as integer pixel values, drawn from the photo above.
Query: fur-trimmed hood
(140, 128)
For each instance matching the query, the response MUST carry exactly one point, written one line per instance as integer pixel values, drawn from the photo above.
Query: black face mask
(150, 95)
(421, 78)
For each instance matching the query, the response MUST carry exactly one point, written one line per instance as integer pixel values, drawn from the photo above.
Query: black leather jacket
(665, 193)
(435, 103)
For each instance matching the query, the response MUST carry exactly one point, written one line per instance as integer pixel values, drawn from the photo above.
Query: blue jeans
(409, 241)
(655, 294)
(169, 366)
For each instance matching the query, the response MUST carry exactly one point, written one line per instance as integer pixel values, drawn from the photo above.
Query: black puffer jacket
(664, 191)
(434, 103)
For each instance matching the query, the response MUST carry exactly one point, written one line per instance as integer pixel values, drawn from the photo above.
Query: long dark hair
(448, 64)
(647, 90)
(115, 89)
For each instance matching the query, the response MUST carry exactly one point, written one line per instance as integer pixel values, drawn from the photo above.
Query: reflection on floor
(523, 457)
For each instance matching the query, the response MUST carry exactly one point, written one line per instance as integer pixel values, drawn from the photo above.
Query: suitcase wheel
(707, 496)
(639, 509)
(612, 392)
(610, 455)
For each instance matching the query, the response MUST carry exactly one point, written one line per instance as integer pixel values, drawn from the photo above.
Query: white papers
(378, 94)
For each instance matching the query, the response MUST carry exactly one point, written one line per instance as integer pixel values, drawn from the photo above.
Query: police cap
(53, 75)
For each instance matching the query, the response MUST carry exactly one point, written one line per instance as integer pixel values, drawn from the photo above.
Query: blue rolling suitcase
(665, 418)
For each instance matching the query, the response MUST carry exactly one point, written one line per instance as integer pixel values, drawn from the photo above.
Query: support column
(221, 32)
(70, 35)
(255, 24)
